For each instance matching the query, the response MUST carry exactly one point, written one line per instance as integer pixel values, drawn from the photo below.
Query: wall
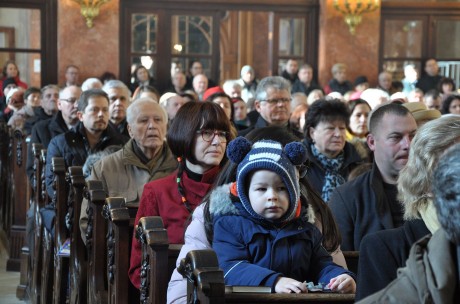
(359, 52)
(94, 50)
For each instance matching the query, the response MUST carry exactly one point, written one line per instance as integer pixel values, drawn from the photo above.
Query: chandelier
(90, 9)
(352, 10)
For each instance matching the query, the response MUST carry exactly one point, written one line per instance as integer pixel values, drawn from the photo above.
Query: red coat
(19, 83)
(161, 197)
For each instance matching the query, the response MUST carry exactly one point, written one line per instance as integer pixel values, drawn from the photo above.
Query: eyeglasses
(275, 101)
(69, 100)
(208, 135)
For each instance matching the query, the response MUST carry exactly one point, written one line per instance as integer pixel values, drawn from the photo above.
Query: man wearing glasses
(66, 118)
(273, 102)
(43, 131)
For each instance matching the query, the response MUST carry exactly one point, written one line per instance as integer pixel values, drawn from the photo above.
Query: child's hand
(343, 284)
(288, 285)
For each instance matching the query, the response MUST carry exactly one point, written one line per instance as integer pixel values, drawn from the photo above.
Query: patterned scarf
(332, 166)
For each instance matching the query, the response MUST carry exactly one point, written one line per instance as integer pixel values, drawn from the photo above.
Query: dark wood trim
(48, 35)
(164, 8)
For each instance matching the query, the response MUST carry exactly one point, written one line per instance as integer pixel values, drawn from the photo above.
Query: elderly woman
(198, 137)
(330, 157)
(382, 253)
(145, 157)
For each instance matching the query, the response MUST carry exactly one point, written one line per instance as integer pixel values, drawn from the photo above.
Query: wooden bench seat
(205, 284)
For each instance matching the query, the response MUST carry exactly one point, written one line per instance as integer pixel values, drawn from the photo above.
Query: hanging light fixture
(90, 9)
(352, 10)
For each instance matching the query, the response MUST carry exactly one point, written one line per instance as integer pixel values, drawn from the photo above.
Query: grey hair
(133, 110)
(415, 179)
(446, 190)
(274, 82)
(117, 84)
(88, 83)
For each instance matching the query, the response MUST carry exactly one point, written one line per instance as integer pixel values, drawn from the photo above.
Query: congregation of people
(276, 174)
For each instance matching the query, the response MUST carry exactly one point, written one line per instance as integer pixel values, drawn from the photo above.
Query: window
(410, 35)
(28, 35)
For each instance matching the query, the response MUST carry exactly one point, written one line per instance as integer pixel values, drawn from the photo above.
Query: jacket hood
(221, 204)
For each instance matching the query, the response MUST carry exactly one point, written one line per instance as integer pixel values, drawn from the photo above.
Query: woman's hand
(288, 285)
(343, 284)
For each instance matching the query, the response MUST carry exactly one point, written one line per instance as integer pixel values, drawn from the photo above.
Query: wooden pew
(4, 166)
(61, 263)
(78, 261)
(120, 224)
(18, 202)
(35, 257)
(352, 258)
(205, 285)
(96, 244)
(158, 259)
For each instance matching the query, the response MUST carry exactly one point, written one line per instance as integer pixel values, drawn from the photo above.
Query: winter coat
(299, 86)
(391, 246)
(316, 174)
(261, 123)
(124, 175)
(42, 133)
(430, 275)
(360, 207)
(161, 198)
(256, 252)
(73, 146)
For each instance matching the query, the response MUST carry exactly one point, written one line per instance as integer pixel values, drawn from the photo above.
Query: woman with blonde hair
(382, 253)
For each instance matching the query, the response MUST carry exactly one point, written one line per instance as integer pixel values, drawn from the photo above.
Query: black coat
(360, 207)
(73, 146)
(382, 253)
(299, 86)
(261, 123)
(316, 174)
(42, 133)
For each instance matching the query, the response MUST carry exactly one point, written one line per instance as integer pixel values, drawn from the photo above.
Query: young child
(262, 233)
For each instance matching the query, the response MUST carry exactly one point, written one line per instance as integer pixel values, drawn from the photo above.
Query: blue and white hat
(268, 155)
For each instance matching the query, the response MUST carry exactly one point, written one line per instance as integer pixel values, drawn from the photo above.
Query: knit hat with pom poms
(268, 155)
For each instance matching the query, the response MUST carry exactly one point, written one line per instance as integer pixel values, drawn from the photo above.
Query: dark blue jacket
(256, 253)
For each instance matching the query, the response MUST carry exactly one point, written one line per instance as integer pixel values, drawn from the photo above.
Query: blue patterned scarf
(332, 166)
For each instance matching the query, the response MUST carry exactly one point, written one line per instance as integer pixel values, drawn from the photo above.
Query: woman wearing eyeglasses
(198, 136)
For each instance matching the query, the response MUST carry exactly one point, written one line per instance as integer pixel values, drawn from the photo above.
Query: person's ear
(257, 105)
(371, 141)
(80, 116)
(311, 132)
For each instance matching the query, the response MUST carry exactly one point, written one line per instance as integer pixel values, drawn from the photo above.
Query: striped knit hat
(267, 155)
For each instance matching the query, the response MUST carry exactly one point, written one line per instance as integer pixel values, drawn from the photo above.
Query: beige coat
(123, 174)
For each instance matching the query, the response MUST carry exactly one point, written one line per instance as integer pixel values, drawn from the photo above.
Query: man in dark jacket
(369, 203)
(273, 102)
(431, 78)
(305, 83)
(66, 118)
(291, 70)
(119, 98)
(433, 268)
(49, 107)
(92, 134)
